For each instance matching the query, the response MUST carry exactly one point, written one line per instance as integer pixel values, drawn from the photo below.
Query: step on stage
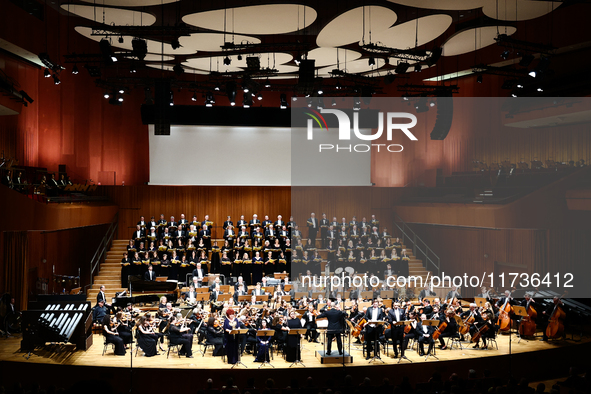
(334, 357)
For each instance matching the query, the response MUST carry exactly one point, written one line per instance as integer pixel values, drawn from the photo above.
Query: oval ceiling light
(112, 16)
(347, 28)
(257, 19)
(405, 35)
(469, 40)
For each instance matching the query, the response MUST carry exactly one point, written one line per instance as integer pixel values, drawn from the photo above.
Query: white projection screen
(237, 156)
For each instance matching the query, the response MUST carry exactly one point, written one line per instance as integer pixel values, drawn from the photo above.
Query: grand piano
(147, 292)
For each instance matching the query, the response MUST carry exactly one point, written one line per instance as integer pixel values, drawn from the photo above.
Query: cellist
(557, 303)
(470, 317)
(450, 330)
(506, 299)
(483, 329)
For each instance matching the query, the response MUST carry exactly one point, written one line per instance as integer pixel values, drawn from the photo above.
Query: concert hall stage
(62, 364)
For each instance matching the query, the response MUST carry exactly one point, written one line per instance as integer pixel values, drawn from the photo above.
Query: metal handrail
(418, 245)
(99, 255)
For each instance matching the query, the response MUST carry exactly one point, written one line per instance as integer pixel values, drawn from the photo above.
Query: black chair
(106, 345)
(455, 339)
(176, 347)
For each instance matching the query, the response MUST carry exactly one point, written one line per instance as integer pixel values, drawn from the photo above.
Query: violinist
(425, 335)
(215, 336)
(547, 314)
(110, 326)
(410, 330)
(310, 324)
(450, 330)
(180, 334)
(146, 337)
(485, 327)
(124, 330)
(395, 315)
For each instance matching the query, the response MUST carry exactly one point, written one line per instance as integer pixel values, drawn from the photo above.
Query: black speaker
(445, 114)
(306, 71)
(162, 107)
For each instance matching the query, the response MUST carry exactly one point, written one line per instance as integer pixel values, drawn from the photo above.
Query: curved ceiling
(518, 10)
(111, 16)
(349, 27)
(132, 3)
(328, 56)
(414, 33)
(257, 19)
(474, 39)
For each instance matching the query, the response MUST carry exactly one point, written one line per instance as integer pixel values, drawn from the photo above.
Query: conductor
(335, 319)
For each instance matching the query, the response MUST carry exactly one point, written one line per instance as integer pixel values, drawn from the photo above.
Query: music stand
(433, 323)
(376, 353)
(480, 301)
(519, 311)
(266, 334)
(224, 297)
(238, 332)
(298, 331)
(402, 323)
(261, 298)
(245, 297)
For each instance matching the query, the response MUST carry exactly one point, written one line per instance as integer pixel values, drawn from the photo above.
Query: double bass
(527, 327)
(504, 321)
(555, 328)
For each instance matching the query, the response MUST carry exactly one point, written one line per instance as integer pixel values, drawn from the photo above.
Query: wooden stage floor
(67, 355)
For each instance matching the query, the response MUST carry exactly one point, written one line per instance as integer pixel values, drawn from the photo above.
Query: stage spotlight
(194, 98)
(298, 59)
(539, 89)
(247, 102)
(171, 102)
(309, 102)
(421, 105)
(75, 69)
(120, 99)
(231, 92)
(401, 68)
(175, 44)
(356, 104)
(526, 60)
(371, 61)
(178, 69)
(533, 73)
(121, 90)
(513, 95)
(106, 95)
(431, 104)
(505, 54)
(479, 79)
(107, 51)
(320, 91)
(267, 83)
(239, 57)
(132, 69)
(120, 39)
(320, 103)
(418, 68)
(217, 87)
(333, 102)
(227, 61)
(283, 101)
(56, 80)
(338, 86)
(26, 96)
(46, 73)
(260, 96)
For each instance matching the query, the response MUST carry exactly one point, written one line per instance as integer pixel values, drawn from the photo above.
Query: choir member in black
(281, 264)
(110, 326)
(174, 266)
(395, 315)
(263, 344)
(313, 226)
(215, 336)
(292, 349)
(150, 275)
(257, 268)
(372, 331)
(146, 337)
(205, 235)
(403, 264)
(180, 334)
(425, 335)
(451, 328)
(165, 266)
(310, 324)
(232, 341)
(204, 261)
(269, 264)
(125, 270)
(124, 330)
(226, 265)
(489, 333)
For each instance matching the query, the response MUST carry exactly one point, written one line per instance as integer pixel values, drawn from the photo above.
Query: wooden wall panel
(215, 201)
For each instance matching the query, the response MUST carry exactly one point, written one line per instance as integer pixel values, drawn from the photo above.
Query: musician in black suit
(323, 229)
(191, 295)
(310, 324)
(172, 223)
(7, 180)
(425, 335)
(150, 275)
(280, 222)
(228, 223)
(255, 222)
(258, 291)
(396, 315)
(199, 272)
(241, 291)
(101, 296)
(426, 292)
(336, 319)
(313, 225)
(183, 222)
(374, 313)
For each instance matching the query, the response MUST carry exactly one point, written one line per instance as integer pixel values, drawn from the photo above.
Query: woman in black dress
(263, 342)
(215, 336)
(123, 329)
(146, 337)
(112, 336)
(232, 341)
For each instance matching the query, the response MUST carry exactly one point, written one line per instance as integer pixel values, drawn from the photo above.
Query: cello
(527, 327)
(555, 328)
(481, 330)
(504, 321)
